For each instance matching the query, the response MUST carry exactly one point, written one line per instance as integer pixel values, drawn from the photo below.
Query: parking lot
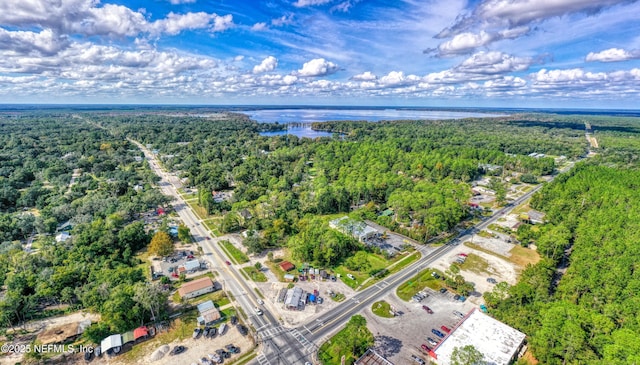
(169, 265)
(401, 337)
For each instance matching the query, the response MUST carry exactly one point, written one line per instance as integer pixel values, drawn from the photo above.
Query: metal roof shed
(113, 343)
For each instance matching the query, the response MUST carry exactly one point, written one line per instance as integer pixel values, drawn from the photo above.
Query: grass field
(236, 255)
(254, 274)
(382, 309)
(352, 337)
(420, 281)
(475, 263)
(520, 256)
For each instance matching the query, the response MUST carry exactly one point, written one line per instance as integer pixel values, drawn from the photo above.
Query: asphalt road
(265, 325)
(299, 345)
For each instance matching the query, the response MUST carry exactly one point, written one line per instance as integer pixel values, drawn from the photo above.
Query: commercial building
(499, 343)
(293, 299)
(208, 313)
(195, 288)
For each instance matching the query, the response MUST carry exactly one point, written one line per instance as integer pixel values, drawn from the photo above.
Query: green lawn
(236, 255)
(375, 263)
(351, 342)
(420, 281)
(476, 264)
(338, 297)
(382, 309)
(254, 274)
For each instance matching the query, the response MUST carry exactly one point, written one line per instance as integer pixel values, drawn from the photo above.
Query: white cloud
(238, 58)
(289, 79)
(268, 64)
(176, 23)
(259, 26)
(317, 67)
(519, 12)
(464, 42)
(365, 76)
(344, 6)
(397, 78)
(86, 17)
(178, 2)
(283, 20)
(305, 3)
(493, 62)
(612, 55)
(516, 13)
(45, 42)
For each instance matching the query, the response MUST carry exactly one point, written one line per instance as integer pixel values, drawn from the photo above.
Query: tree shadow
(387, 346)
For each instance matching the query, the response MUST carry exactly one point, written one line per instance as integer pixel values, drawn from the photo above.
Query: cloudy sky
(510, 53)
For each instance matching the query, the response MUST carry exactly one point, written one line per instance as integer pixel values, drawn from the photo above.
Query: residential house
(196, 288)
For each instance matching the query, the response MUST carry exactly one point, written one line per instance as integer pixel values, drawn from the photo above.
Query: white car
(260, 301)
(258, 311)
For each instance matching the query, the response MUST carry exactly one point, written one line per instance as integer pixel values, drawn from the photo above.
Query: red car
(425, 347)
(191, 257)
(446, 329)
(427, 309)
(227, 262)
(208, 238)
(462, 254)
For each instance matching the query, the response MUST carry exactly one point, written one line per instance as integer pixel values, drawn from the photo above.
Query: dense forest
(81, 169)
(587, 314)
(97, 268)
(421, 170)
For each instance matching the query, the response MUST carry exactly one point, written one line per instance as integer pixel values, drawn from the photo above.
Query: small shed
(208, 313)
(289, 277)
(112, 343)
(140, 333)
(287, 266)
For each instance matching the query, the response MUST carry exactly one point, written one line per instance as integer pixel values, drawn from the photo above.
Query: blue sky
(502, 53)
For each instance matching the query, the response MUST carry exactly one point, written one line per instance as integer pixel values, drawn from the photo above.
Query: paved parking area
(400, 337)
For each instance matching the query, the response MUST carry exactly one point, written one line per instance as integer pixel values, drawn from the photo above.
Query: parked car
(456, 297)
(232, 349)
(212, 332)
(435, 275)
(319, 300)
(492, 281)
(437, 333)
(206, 361)
(216, 358)
(234, 320)
(458, 314)
(205, 333)
(443, 290)
(462, 254)
(227, 262)
(446, 329)
(427, 309)
(431, 341)
(242, 329)
(418, 360)
(425, 347)
(208, 237)
(197, 333)
(177, 350)
(223, 328)
(260, 301)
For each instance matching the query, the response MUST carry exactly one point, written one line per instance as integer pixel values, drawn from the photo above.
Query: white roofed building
(499, 343)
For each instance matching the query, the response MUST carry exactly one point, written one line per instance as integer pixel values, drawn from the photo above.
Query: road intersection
(288, 346)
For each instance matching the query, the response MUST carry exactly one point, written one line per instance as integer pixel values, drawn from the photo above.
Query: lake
(371, 115)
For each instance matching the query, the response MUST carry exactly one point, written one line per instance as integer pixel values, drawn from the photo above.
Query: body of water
(300, 131)
(286, 116)
(370, 115)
